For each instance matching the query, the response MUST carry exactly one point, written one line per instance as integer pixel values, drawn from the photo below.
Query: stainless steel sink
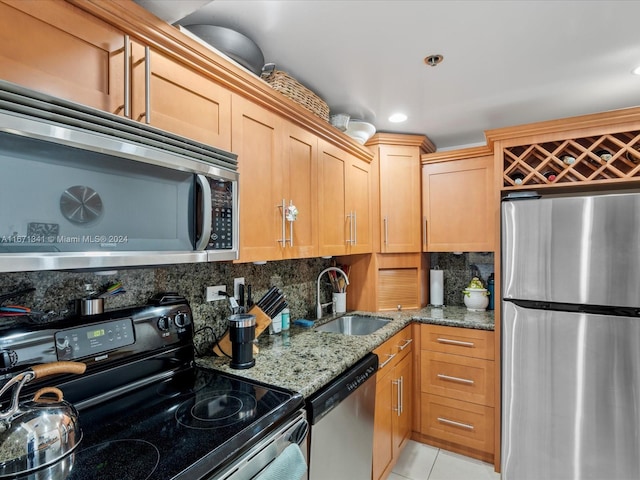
(354, 325)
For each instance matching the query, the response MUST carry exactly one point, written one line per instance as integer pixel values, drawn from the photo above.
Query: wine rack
(609, 158)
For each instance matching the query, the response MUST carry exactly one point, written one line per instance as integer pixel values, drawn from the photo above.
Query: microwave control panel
(222, 216)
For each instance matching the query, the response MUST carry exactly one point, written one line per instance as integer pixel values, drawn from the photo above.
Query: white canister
(340, 302)
(276, 324)
(476, 299)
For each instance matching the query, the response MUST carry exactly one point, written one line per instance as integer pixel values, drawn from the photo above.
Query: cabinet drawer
(458, 377)
(462, 423)
(458, 341)
(394, 350)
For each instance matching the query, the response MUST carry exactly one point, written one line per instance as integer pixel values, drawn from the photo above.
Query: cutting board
(223, 348)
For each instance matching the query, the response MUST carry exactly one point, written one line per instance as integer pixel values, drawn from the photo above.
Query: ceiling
(506, 62)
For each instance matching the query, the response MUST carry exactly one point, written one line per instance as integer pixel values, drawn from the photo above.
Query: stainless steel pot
(40, 432)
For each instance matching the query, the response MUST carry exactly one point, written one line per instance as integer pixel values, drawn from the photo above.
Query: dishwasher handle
(326, 399)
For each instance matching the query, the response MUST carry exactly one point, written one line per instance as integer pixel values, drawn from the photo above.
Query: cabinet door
(169, 95)
(400, 199)
(300, 172)
(403, 425)
(383, 426)
(255, 140)
(358, 203)
(457, 205)
(58, 49)
(333, 225)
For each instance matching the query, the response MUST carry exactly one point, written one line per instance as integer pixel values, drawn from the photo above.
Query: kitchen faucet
(320, 306)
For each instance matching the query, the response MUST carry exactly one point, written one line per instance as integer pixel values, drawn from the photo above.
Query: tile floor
(422, 462)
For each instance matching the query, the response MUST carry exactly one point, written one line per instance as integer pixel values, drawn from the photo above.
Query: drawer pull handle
(455, 379)
(456, 424)
(448, 341)
(382, 365)
(406, 344)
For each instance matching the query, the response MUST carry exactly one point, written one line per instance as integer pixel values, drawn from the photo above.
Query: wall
(458, 271)
(55, 290)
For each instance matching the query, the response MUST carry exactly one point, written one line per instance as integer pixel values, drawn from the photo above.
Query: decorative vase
(476, 299)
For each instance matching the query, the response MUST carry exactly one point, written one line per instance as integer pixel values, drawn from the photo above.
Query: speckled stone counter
(304, 360)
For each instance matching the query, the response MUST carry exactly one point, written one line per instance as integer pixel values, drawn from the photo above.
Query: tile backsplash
(459, 270)
(56, 290)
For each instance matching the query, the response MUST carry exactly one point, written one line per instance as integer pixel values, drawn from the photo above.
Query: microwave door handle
(203, 183)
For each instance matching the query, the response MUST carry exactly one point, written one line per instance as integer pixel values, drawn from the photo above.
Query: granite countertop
(305, 360)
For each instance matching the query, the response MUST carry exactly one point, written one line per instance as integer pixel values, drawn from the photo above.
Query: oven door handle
(206, 221)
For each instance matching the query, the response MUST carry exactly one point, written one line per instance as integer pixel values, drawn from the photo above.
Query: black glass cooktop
(183, 428)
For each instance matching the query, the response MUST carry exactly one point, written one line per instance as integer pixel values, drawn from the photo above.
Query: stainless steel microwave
(85, 189)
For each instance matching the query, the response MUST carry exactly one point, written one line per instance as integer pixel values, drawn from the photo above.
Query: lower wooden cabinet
(394, 402)
(457, 390)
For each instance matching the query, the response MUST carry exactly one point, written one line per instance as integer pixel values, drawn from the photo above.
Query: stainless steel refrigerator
(571, 337)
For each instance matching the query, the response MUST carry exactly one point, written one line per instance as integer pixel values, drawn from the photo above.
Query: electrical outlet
(212, 295)
(236, 287)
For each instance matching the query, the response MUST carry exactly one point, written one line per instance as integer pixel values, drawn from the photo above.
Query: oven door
(256, 462)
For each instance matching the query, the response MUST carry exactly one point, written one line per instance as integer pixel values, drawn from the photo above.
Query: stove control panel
(95, 339)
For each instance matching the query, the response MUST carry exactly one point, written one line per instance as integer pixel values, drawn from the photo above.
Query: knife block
(223, 347)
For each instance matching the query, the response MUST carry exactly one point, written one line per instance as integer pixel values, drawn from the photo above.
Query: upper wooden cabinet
(396, 168)
(58, 49)
(277, 162)
(585, 151)
(344, 202)
(458, 201)
(165, 93)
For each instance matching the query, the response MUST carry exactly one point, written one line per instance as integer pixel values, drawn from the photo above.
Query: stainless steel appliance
(341, 417)
(88, 189)
(145, 410)
(571, 337)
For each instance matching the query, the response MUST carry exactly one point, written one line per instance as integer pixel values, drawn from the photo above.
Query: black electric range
(145, 410)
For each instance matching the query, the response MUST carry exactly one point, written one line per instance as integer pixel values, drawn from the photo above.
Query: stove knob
(164, 323)
(181, 319)
(8, 358)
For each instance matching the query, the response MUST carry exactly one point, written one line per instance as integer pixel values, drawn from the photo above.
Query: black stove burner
(216, 409)
(108, 460)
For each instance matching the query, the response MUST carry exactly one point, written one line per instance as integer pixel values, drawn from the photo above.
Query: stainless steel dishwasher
(341, 419)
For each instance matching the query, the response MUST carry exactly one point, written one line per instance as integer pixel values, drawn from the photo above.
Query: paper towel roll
(436, 290)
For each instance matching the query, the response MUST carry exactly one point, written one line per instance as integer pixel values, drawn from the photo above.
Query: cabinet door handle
(459, 343)
(147, 81)
(355, 228)
(455, 379)
(127, 77)
(456, 424)
(401, 395)
(386, 230)
(406, 343)
(283, 239)
(290, 227)
(383, 364)
(398, 408)
(350, 217)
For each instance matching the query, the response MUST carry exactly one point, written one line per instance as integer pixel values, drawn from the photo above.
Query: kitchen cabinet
(458, 201)
(277, 162)
(387, 282)
(344, 196)
(396, 168)
(58, 49)
(167, 94)
(591, 150)
(394, 404)
(457, 390)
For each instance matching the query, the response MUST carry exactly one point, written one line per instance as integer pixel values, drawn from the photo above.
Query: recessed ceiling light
(397, 117)
(636, 71)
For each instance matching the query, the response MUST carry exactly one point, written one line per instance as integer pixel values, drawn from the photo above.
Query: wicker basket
(290, 87)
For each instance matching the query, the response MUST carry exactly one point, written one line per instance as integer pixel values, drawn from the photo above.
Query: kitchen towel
(436, 288)
(289, 465)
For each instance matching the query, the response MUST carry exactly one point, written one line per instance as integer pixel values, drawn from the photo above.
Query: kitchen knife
(241, 296)
(279, 309)
(268, 297)
(275, 300)
(249, 301)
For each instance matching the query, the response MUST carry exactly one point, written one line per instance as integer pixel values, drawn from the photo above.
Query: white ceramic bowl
(476, 299)
(360, 131)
